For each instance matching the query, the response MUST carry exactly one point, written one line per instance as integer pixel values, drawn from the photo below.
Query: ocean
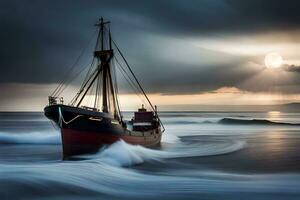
(203, 155)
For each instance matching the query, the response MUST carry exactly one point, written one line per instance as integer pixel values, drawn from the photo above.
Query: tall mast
(103, 75)
(105, 69)
(105, 55)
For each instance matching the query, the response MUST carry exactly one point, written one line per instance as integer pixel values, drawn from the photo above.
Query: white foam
(30, 138)
(123, 154)
(170, 138)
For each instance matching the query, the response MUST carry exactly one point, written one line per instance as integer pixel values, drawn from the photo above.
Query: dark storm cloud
(39, 39)
(292, 68)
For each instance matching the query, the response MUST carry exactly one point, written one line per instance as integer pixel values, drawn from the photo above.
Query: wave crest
(123, 154)
(30, 138)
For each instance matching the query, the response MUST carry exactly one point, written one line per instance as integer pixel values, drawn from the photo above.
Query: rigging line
(98, 72)
(125, 74)
(82, 88)
(140, 87)
(132, 82)
(116, 90)
(134, 89)
(88, 73)
(96, 93)
(112, 91)
(98, 37)
(98, 90)
(72, 66)
(121, 54)
(69, 81)
(87, 79)
(90, 98)
(66, 80)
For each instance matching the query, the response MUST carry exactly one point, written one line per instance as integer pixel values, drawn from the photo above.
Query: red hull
(81, 142)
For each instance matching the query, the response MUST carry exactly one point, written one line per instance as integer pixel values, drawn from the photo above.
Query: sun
(273, 60)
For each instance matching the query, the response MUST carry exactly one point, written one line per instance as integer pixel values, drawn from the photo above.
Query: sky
(208, 52)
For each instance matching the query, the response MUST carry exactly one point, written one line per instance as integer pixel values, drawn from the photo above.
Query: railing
(89, 108)
(55, 100)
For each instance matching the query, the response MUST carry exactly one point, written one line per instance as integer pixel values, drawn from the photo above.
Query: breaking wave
(103, 178)
(123, 154)
(30, 138)
(107, 175)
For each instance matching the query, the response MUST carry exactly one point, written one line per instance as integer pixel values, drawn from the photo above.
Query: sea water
(200, 157)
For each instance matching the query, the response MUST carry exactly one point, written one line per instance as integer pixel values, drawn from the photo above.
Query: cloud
(230, 90)
(291, 68)
(41, 39)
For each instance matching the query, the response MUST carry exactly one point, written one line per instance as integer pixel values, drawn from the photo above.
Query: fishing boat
(85, 129)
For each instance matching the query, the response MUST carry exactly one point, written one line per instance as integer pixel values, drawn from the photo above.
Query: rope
(62, 120)
(72, 67)
(116, 89)
(140, 87)
(68, 82)
(75, 98)
(129, 81)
